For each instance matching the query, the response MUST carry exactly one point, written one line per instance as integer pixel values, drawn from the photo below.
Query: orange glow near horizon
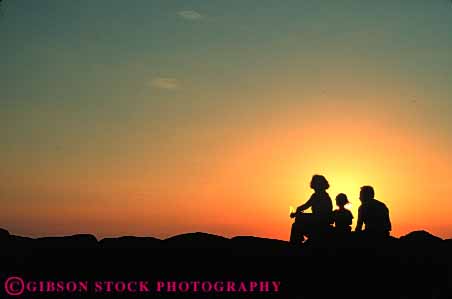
(133, 120)
(243, 186)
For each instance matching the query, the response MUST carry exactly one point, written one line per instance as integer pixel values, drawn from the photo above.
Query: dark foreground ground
(418, 265)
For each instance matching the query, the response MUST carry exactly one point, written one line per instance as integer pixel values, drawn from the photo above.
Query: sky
(161, 117)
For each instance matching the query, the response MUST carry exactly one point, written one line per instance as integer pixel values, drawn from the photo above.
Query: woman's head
(319, 183)
(341, 200)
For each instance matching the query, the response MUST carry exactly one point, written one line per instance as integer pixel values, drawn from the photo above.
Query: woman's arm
(305, 206)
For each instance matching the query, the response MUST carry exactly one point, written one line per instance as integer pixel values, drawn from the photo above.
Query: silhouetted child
(317, 222)
(342, 217)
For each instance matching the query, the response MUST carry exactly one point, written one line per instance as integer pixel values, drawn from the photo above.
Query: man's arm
(359, 224)
(388, 220)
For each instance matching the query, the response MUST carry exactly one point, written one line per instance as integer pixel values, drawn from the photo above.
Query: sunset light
(193, 116)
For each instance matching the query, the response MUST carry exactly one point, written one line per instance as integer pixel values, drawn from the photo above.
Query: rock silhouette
(196, 240)
(4, 234)
(74, 241)
(421, 236)
(417, 265)
(130, 242)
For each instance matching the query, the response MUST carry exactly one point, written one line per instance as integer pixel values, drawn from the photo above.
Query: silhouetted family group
(373, 214)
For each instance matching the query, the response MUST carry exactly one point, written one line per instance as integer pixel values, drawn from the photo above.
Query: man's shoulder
(379, 203)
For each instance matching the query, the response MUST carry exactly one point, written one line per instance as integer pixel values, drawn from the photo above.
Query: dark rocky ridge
(418, 265)
(185, 240)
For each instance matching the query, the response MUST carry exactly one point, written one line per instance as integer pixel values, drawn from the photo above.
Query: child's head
(341, 200)
(319, 183)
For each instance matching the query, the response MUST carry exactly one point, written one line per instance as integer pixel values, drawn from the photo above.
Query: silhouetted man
(373, 214)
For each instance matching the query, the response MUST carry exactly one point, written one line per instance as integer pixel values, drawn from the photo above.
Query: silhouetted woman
(319, 221)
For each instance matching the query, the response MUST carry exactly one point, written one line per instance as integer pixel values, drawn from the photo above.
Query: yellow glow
(240, 185)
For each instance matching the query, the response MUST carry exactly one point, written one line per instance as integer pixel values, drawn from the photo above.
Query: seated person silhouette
(373, 214)
(317, 223)
(342, 217)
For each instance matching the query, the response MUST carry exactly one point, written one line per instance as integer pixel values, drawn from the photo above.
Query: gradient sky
(159, 117)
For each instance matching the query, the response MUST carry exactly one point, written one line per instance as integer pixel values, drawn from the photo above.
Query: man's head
(367, 193)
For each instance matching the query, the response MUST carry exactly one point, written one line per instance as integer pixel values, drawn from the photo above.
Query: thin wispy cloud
(191, 15)
(165, 83)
